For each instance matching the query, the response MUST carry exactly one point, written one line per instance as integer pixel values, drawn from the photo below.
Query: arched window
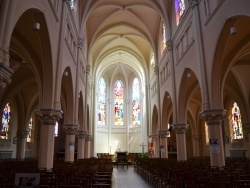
(102, 88)
(136, 116)
(30, 127)
(118, 102)
(179, 9)
(164, 40)
(56, 129)
(5, 122)
(206, 134)
(235, 123)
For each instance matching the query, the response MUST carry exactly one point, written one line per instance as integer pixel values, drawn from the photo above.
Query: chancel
(96, 90)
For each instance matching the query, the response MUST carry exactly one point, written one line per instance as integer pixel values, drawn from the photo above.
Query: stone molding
(180, 128)
(70, 129)
(213, 117)
(49, 116)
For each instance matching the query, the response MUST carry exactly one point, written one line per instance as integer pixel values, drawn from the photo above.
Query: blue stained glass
(5, 122)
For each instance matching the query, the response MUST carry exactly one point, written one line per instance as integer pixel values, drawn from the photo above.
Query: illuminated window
(235, 123)
(179, 9)
(101, 101)
(5, 122)
(118, 102)
(136, 111)
(164, 40)
(30, 127)
(56, 129)
(206, 134)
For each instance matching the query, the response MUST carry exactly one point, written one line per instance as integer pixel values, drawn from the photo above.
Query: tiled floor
(128, 178)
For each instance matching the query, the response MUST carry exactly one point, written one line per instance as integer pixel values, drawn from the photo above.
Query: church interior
(160, 85)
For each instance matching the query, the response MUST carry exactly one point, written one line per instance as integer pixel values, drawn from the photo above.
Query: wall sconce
(233, 30)
(36, 26)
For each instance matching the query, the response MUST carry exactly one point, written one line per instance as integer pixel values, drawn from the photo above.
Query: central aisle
(128, 178)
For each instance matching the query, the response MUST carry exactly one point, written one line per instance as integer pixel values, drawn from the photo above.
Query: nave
(128, 178)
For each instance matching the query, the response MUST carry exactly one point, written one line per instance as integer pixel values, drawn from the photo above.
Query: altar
(121, 155)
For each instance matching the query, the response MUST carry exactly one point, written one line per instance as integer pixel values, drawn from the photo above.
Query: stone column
(21, 143)
(196, 145)
(180, 130)
(81, 135)
(48, 118)
(88, 142)
(163, 134)
(71, 131)
(156, 71)
(214, 118)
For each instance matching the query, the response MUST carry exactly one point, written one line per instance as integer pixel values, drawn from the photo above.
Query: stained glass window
(179, 9)
(5, 122)
(235, 123)
(118, 102)
(102, 86)
(164, 40)
(30, 127)
(136, 116)
(56, 129)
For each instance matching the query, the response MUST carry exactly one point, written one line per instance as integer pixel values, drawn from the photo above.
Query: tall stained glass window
(118, 102)
(5, 122)
(179, 9)
(56, 129)
(136, 111)
(30, 127)
(164, 40)
(235, 123)
(102, 87)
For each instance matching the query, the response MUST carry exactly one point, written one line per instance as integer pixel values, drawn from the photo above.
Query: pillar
(196, 145)
(48, 118)
(21, 143)
(71, 131)
(87, 145)
(163, 134)
(214, 118)
(180, 130)
(81, 135)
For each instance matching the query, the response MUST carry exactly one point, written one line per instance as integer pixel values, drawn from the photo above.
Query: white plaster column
(48, 118)
(71, 131)
(201, 55)
(21, 143)
(214, 118)
(180, 130)
(81, 135)
(156, 71)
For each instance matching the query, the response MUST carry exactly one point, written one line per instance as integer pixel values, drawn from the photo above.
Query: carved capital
(156, 69)
(169, 45)
(88, 137)
(81, 134)
(163, 133)
(5, 76)
(213, 117)
(70, 129)
(180, 128)
(49, 116)
(22, 133)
